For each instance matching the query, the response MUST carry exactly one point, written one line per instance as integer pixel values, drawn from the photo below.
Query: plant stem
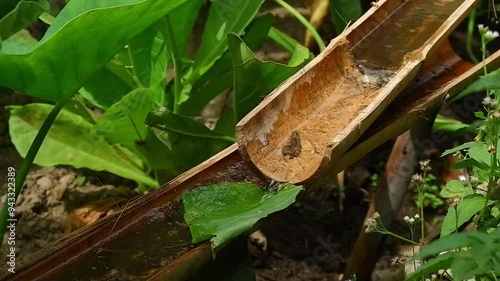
(492, 179)
(470, 32)
(28, 161)
(400, 237)
(483, 51)
(421, 198)
(166, 31)
(305, 22)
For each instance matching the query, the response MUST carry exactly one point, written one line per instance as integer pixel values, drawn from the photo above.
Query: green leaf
(220, 76)
(448, 125)
(140, 52)
(451, 242)
(441, 262)
(77, 106)
(186, 142)
(466, 209)
(167, 121)
(247, 70)
(344, 11)
(159, 62)
(106, 86)
(461, 147)
(481, 155)
(486, 82)
(182, 20)
(221, 212)
(78, 33)
(70, 141)
(23, 14)
(125, 122)
(6, 6)
(283, 39)
(456, 188)
(225, 16)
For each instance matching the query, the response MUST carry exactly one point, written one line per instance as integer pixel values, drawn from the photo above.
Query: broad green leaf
(107, 85)
(220, 76)
(468, 163)
(70, 141)
(226, 123)
(158, 77)
(6, 6)
(125, 121)
(247, 70)
(78, 33)
(486, 82)
(448, 125)
(344, 11)
(461, 147)
(480, 154)
(224, 16)
(283, 39)
(466, 209)
(221, 212)
(140, 52)
(451, 242)
(182, 20)
(456, 188)
(186, 142)
(432, 266)
(23, 14)
(15, 47)
(168, 121)
(77, 106)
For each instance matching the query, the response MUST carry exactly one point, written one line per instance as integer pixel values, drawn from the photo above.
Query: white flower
(462, 178)
(486, 101)
(406, 218)
(424, 165)
(480, 26)
(411, 220)
(491, 34)
(417, 179)
(416, 217)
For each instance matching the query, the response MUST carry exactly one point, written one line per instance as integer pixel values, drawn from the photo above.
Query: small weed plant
(456, 255)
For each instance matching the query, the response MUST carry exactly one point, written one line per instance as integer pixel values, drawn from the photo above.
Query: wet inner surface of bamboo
(141, 249)
(406, 30)
(161, 235)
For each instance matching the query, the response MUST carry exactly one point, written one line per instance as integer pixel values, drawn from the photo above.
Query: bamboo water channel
(149, 239)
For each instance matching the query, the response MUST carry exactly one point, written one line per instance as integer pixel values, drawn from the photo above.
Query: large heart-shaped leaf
(72, 49)
(6, 6)
(23, 14)
(70, 141)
